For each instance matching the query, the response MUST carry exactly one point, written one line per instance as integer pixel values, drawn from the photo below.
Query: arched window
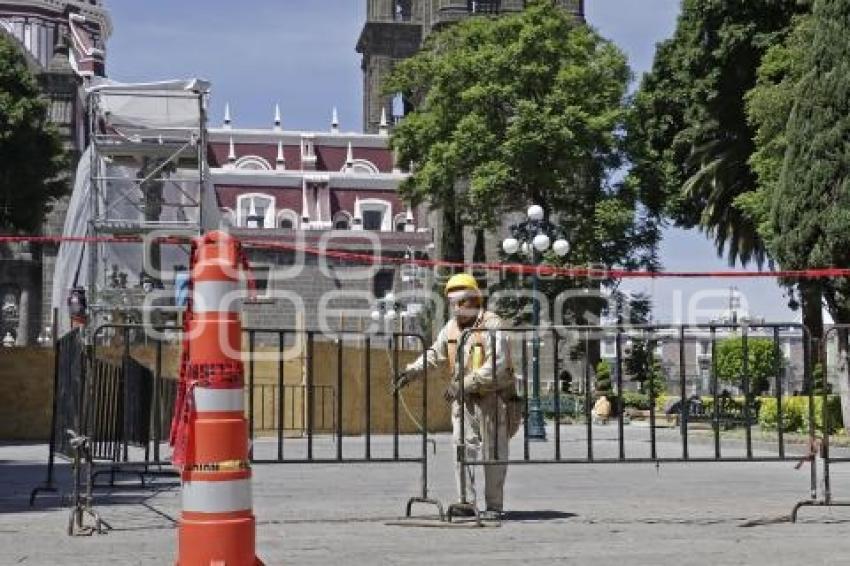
(252, 162)
(400, 222)
(342, 221)
(255, 210)
(375, 214)
(361, 166)
(287, 220)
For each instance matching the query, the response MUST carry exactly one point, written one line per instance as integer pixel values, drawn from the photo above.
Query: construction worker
(486, 392)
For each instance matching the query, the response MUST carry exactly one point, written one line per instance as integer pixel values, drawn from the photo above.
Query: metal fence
(308, 416)
(836, 354)
(657, 442)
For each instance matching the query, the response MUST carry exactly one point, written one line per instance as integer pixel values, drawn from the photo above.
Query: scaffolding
(148, 177)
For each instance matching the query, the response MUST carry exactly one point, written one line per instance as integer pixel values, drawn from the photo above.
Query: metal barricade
(338, 411)
(840, 358)
(680, 352)
(124, 406)
(68, 368)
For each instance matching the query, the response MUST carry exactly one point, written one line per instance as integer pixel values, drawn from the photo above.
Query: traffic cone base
(217, 540)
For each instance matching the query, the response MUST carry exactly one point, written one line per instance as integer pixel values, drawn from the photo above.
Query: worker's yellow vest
(477, 352)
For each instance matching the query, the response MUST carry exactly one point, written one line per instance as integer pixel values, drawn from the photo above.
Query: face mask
(464, 310)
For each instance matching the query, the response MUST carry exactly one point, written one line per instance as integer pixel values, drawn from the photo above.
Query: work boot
(492, 515)
(463, 510)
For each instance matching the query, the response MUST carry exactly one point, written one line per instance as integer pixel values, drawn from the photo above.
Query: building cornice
(290, 137)
(295, 178)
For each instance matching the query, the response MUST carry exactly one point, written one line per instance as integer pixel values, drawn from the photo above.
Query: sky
(300, 54)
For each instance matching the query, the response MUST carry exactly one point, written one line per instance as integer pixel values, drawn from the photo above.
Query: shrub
(634, 400)
(795, 414)
(603, 378)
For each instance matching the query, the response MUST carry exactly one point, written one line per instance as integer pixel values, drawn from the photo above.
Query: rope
(540, 270)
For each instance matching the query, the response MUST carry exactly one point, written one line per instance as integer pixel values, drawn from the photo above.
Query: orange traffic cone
(217, 527)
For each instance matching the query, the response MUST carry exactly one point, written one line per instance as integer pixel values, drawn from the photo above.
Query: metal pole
(394, 341)
(251, 345)
(339, 407)
(684, 401)
(157, 399)
(48, 484)
(310, 398)
(777, 360)
(745, 367)
(425, 423)
(714, 388)
(537, 428)
(618, 341)
(525, 396)
(368, 385)
(281, 392)
(556, 370)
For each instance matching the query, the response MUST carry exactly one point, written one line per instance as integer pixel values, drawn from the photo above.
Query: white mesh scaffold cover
(120, 199)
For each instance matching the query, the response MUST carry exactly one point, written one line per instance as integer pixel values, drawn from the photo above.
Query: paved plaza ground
(598, 514)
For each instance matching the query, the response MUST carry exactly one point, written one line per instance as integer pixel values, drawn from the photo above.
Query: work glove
(404, 379)
(451, 392)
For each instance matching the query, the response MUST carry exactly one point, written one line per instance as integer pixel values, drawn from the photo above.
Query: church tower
(395, 30)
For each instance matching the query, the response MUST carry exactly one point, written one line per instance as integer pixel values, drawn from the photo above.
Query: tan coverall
(484, 433)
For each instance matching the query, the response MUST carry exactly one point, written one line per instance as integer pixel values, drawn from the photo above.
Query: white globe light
(525, 248)
(561, 247)
(389, 297)
(541, 242)
(390, 316)
(510, 246)
(535, 212)
(376, 316)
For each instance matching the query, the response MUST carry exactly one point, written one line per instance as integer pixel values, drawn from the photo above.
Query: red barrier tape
(541, 270)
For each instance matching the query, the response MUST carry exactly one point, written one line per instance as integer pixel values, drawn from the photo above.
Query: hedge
(795, 414)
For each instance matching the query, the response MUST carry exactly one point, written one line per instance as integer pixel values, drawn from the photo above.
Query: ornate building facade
(317, 189)
(330, 190)
(64, 45)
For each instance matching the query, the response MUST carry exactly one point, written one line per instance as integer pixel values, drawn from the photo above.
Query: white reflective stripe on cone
(215, 296)
(217, 496)
(209, 400)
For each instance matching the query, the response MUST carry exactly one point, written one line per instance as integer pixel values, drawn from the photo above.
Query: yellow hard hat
(460, 282)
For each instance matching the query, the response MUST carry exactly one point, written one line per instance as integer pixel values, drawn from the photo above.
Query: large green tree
(769, 105)
(31, 155)
(810, 208)
(762, 364)
(519, 109)
(689, 139)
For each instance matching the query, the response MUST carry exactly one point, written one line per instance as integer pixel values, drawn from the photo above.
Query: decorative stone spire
(408, 221)
(277, 122)
(396, 167)
(358, 219)
(384, 128)
(231, 153)
(305, 210)
(349, 158)
(280, 162)
(335, 121)
(227, 122)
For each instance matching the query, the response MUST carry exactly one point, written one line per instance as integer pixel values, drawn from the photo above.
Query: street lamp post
(532, 237)
(388, 311)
